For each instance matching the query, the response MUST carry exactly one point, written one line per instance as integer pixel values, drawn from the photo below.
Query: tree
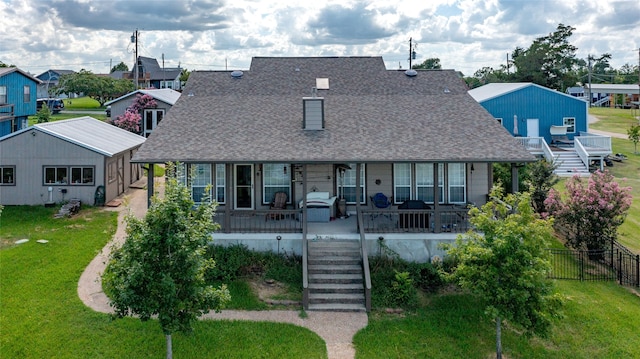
(44, 114)
(506, 264)
(429, 64)
(590, 213)
(120, 67)
(541, 180)
(549, 61)
(100, 88)
(184, 76)
(634, 136)
(160, 270)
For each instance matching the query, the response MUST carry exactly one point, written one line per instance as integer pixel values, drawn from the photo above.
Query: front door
(243, 192)
(533, 129)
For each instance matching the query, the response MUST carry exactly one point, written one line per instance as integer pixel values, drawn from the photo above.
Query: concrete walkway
(335, 328)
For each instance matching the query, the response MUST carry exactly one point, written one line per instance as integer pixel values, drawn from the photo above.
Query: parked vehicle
(55, 104)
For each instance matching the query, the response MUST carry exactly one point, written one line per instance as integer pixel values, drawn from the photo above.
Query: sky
(466, 35)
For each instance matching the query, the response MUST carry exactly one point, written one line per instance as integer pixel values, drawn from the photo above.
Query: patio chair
(380, 201)
(279, 202)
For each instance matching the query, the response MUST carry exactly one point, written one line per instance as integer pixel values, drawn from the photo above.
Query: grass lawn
(627, 172)
(41, 315)
(613, 119)
(600, 322)
(81, 103)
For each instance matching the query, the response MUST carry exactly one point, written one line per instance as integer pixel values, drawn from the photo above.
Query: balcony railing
(448, 219)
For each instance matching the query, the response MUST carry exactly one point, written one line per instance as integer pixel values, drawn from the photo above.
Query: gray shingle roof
(371, 115)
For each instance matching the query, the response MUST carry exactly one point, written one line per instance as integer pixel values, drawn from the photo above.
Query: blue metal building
(529, 110)
(17, 99)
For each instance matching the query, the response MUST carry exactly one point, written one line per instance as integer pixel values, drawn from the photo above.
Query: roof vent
(322, 83)
(237, 74)
(411, 73)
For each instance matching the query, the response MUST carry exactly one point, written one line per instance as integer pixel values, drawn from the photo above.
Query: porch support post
(358, 195)
(304, 202)
(150, 183)
(436, 200)
(514, 178)
(228, 196)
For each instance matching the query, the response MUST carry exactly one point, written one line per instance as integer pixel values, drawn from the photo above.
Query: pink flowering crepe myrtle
(591, 210)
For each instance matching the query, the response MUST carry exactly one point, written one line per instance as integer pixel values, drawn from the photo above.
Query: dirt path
(335, 328)
(594, 119)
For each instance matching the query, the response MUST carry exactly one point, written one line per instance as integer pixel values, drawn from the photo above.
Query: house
(50, 79)
(331, 133)
(17, 100)
(151, 117)
(56, 161)
(613, 95)
(151, 75)
(533, 112)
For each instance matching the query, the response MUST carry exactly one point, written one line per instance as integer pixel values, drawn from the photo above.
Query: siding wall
(548, 106)
(15, 82)
(29, 154)
(118, 108)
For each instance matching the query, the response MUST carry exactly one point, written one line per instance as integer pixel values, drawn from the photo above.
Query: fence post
(581, 265)
(620, 267)
(637, 270)
(612, 266)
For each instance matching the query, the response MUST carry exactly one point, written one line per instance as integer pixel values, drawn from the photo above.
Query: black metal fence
(616, 264)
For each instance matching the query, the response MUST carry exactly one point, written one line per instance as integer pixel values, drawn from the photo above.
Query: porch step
(335, 276)
(569, 164)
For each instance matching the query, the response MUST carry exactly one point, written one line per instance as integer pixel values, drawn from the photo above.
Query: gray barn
(56, 161)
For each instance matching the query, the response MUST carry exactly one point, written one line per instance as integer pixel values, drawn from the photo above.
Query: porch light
(472, 168)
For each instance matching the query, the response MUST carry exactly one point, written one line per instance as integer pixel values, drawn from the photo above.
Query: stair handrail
(582, 153)
(365, 263)
(548, 154)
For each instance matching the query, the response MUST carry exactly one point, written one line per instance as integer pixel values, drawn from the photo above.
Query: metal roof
(165, 95)
(497, 89)
(7, 70)
(91, 134)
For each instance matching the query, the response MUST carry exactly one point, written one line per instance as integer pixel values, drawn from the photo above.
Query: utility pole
(507, 63)
(589, 59)
(412, 52)
(134, 39)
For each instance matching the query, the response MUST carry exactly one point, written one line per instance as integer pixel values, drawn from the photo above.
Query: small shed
(529, 110)
(57, 161)
(151, 117)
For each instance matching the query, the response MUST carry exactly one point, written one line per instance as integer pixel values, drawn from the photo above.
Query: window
(55, 175)
(166, 84)
(3, 94)
(415, 181)
(276, 178)
(402, 182)
(424, 182)
(499, 120)
(7, 175)
(27, 93)
(82, 175)
(456, 179)
(570, 122)
(220, 182)
(200, 179)
(347, 184)
(111, 172)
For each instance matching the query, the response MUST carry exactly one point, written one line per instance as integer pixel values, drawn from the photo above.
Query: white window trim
(82, 170)
(444, 183)
(13, 179)
(564, 123)
(44, 176)
(287, 183)
(363, 182)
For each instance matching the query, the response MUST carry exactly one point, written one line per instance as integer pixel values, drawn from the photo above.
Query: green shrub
(403, 293)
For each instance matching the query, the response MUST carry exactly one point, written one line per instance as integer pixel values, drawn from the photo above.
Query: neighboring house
(55, 161)
(152, 75)
(301, 125)
(530, 112)
(151, 117)
(17, 99)
(605, 95)
(51, 78)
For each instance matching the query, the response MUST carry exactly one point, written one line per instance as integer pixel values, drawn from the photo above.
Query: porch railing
(593, 141)
(260, 221)
(582, 152)
(447, 219)
(365, 264)
(537, 145)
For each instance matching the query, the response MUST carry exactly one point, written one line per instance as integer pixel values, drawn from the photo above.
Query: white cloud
(466, 35)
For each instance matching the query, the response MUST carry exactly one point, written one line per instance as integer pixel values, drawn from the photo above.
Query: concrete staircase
(335, 276)
(570, 164)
